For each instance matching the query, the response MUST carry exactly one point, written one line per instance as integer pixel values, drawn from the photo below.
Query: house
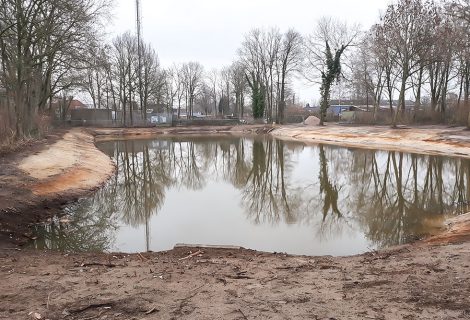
(62, 107)
(311, 109)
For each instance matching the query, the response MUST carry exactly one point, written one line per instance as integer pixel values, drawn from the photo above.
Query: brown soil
(410, 282)
(15, 199)
(425, 280)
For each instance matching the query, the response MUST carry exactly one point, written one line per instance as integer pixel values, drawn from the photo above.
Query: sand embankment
(72, 165)
(433, 140)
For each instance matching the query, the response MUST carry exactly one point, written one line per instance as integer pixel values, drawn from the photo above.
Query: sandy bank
(72, 165)
(35, 183)
(434, 140)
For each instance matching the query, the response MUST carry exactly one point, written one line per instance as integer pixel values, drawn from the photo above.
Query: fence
(453, 115)
(205, 122)
(110, 118)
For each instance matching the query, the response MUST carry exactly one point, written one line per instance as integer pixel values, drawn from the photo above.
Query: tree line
(41, 45)
(51, 51)
(419, 49)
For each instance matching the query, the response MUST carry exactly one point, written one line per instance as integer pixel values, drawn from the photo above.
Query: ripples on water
(261, 193)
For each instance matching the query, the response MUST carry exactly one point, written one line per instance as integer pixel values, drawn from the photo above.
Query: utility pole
(143, 107)
(138, 11)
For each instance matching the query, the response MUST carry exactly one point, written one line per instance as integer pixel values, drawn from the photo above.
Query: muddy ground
(425, 280)
(411, 282)
(19, 207)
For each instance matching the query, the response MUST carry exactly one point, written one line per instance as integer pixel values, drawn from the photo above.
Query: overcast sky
(210, 31)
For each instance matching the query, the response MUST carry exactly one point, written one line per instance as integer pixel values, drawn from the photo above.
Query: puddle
(263, 194)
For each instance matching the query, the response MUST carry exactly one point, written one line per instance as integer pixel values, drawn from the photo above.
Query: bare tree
(170, 86)
(213, 78)
(323, 66)
(125, 60)
(193, 76)
(252, 56)
(239, 85)
(460, 9)
(405, 31)
(180, 86)
(270, 46)
(204, 98)
(152, 82)
(290, 59)
(40, 47)
(224, 86)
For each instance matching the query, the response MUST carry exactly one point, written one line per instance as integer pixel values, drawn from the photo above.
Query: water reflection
(323, 194)
(90, 227)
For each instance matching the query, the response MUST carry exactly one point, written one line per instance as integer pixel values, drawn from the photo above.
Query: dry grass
(15, 145)
(9, 142)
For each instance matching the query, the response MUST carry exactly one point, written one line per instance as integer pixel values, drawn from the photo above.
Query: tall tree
(40, 47)
(239, 85)
(252, 58)
(290, 59)
(193, 76)
(405, 29)
(324, 64)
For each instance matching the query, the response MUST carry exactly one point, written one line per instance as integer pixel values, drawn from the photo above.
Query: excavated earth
(428, 279)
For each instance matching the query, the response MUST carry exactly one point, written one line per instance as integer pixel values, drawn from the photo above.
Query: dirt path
(426, 280)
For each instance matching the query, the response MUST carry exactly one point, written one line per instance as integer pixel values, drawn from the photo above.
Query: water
(260, 193)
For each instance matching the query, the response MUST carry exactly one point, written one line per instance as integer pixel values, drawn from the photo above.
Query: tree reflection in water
(390, 197)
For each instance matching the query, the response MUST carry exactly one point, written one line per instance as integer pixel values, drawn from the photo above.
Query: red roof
(75, 104)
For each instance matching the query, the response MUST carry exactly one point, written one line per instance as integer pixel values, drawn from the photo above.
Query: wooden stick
(191, 255)
(244, 316)
(142, 257)
(93, 264)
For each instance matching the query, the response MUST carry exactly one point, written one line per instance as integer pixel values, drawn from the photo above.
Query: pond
(260, 193)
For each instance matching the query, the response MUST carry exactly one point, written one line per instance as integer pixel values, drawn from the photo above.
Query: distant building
(311, 109)
(338, 109)
(365, 102)
(62, 108)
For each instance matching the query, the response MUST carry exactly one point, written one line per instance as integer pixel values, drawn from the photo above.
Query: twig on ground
(142, 257)
(109, 265)
(244, 316)
(191, 255)
(238, 276)
(48, 299)
(152, 310)
(195, 291)
(92, 306)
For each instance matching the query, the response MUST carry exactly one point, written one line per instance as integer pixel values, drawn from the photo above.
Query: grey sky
(210, 31)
